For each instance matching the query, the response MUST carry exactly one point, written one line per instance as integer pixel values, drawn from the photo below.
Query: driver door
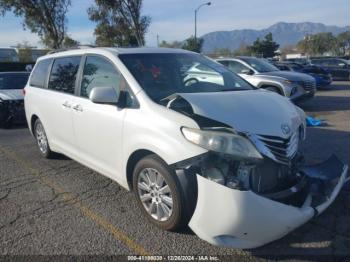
(98, 127)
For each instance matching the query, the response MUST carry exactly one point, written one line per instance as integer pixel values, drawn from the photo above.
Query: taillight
(24, 91)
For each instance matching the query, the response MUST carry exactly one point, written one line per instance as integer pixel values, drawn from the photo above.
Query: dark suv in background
(322, 77)
(338, 68)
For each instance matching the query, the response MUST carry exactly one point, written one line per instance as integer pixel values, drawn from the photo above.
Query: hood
(255, 112)
(292, 76)
(13, 94)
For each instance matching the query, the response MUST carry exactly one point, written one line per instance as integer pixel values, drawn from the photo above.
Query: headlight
(221, 142)
(288, 82)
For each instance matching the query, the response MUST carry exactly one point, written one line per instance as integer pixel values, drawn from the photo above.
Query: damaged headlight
(232, 144)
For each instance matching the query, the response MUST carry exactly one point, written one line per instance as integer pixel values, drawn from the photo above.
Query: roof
(236, 57)
(145, 50)
(113, 50)
(15, 72)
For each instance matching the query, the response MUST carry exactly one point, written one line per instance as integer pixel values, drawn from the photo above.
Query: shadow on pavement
(16, 126)
(326, 103)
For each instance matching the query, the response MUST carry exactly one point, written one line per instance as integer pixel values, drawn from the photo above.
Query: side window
(64, 74)
(237, 67)
(40, 72)
(225, 63)
(327, 62)
(99, 72)
(338, 63)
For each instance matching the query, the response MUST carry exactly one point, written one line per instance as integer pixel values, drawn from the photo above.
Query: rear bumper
(243, 219)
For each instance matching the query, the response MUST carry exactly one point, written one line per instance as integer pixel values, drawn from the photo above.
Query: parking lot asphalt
(59, 207)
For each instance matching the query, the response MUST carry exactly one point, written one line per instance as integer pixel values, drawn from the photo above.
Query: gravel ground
(58, 207)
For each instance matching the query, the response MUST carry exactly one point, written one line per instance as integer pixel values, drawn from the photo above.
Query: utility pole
(195, 19)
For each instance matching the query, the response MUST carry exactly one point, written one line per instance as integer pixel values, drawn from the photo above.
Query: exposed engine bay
(253, 175)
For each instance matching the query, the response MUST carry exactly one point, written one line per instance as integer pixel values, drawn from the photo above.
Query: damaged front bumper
(244, 219)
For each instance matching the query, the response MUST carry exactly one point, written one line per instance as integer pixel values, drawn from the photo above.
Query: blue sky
(174, 19)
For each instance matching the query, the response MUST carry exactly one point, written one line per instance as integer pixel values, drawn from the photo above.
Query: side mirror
(247, 72)
(104, 95)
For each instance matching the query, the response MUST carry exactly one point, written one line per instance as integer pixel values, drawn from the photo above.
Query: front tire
(41, 139)
(158, 193)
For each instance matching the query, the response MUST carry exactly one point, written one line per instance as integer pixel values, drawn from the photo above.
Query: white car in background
(262, 74)
(219, 156)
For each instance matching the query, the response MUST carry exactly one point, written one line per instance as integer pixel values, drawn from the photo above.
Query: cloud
(15, 37)
(174, 19)
(84, 36)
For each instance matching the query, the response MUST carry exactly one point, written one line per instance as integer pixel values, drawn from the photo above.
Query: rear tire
(159, 194)
(41, 139)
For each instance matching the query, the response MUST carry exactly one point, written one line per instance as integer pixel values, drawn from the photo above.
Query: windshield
(8, 55)
(13, 81)
(260, 65)
(347, 62)
(162, 74)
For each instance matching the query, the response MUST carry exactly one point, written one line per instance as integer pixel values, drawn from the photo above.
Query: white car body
(288, 84)
(105, 138)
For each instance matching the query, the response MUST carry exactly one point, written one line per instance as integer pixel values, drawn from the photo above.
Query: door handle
(66, 104)
(78, 108)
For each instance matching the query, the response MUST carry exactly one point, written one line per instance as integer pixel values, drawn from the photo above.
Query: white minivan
(215, 154)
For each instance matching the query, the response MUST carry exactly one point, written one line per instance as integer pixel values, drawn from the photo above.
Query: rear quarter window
(64, 74)
(40, 73)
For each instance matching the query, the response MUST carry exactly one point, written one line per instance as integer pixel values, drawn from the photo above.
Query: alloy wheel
(155, 194)
(41, 138)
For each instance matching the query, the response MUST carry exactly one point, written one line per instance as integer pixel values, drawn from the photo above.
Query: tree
(343, 43)
(24, 52)
(243, 50)
(193, 44)
(174, 44)
(119, 22)
(264, 48)
(69, 42)
(47, 18)
(318, 44)
(222, 52)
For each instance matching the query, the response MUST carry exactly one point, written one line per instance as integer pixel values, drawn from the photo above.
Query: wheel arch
(133, 159)
(267, 84)
(186, 181)
(33, 118)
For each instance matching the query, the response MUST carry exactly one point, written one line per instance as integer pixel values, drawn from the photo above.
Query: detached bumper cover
(243, 219)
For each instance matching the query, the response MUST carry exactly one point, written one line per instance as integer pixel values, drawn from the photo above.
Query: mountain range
(283, 33)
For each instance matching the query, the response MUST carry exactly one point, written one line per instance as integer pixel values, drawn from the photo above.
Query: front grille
(308, 85)
(282, 149)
